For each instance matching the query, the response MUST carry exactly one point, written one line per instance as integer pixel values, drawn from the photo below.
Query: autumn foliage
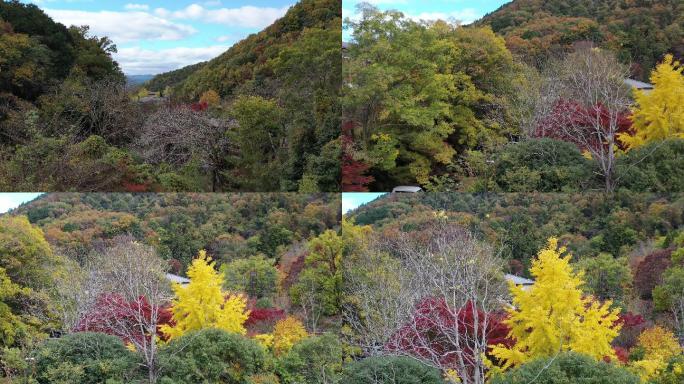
(203, 304)
(553, 315)
(353, 178)
(114, 315)
(649, 272)
(568, 113)
(659, 114)
(428, 333)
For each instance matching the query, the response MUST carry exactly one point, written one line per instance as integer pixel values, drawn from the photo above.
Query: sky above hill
(12, 200)
(353, 200)
(155, 36)
(463, 11)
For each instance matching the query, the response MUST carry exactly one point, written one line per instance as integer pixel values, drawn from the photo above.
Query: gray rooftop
(406, 189)
(177, 279)
(517, 280)
(638, 84)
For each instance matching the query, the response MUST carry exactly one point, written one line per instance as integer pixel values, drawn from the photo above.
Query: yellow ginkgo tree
(203, 304)
(658, 114)
(553, 315)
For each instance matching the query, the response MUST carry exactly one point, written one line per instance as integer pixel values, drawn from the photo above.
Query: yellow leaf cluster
(554, 316)
(265, 339)
(659, 345)
(210, 97)
(203, 304)
(286, 333)
(659, 114)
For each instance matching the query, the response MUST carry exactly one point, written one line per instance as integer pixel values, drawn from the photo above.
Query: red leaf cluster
(622, 355)
(649, 272)
(136, 187)
(353, 179)
(632, 326)
(434, 327)
(199, 107)
(569, 120)
(114, 315)
(264, 315)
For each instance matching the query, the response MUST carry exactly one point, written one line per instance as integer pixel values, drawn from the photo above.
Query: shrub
(256, 276)
(649, 272)
(606, 277)
(84, 357)
(632, 326)
(655, 167)
(567, 367)
(543, 165)
(390, 370)
(211, 356)
(286, 333)
(315, 360)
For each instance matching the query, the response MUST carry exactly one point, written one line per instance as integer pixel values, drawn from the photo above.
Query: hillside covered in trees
(171, 288)
(263, 116)
(519, 288)
(639, 32)
(536, 96)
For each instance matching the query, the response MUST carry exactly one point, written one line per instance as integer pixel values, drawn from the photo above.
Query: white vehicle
(407, 189)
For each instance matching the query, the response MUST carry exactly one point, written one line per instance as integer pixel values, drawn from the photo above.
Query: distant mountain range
(138, 79)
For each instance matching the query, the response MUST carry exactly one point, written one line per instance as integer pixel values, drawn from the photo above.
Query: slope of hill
(37, 52)
(171, 79)
(639, 31)
(228, 226)
(251, 58)
(623, 225)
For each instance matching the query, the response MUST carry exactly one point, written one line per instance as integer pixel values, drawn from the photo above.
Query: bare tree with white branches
(124, 294)
(584, 100)
(431, 279)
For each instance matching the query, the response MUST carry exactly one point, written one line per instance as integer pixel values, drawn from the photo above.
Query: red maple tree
(575, 123)
(435, 329)
(114, 315)
(353, 178)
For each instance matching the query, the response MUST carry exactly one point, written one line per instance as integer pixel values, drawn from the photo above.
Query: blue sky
(464, 11)
(353, 200)
(13, 200)
(155, 36)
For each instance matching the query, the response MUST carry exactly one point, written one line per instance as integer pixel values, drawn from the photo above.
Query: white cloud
(245, 16)
(380, 2)
(137, 7)
(124, 27)
(464, 16)
(139, 61)
(224, 38)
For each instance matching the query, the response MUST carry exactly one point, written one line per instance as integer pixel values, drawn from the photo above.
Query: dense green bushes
(315, 360)
(390, 370)
(86, 358)
(543, 165)
(655, 167)
(257, 276)
(567, 367)
(211, 356)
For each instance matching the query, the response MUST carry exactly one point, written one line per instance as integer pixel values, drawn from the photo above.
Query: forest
(171, 288)
(517, 288)
(536, 96)
(268, 106)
